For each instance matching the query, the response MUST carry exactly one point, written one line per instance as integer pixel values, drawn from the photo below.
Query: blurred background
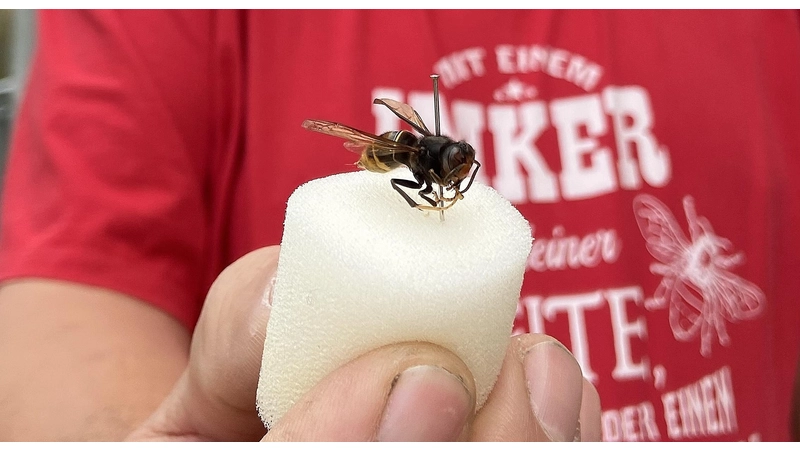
(17, 39)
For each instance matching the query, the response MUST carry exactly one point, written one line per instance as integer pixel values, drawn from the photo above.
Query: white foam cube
(359, 269)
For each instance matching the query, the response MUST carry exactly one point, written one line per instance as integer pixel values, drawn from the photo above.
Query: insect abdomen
(374, 163)
(377, 159)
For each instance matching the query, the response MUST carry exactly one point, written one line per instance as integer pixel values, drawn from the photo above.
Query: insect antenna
(438, 128)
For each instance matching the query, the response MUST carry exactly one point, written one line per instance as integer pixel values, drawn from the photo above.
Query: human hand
(404, 391)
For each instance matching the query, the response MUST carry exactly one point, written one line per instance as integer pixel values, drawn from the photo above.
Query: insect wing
(687, 310)
(357, 140)
(739, 298)
(665, 240)
(405, 112)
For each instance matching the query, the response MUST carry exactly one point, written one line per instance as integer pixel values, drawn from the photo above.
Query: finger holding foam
(411, 391)
(360, 269)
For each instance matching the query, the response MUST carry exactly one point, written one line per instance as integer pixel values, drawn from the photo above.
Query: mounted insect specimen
(431, 158)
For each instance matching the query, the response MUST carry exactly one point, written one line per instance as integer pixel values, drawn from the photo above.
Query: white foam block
(359, 269)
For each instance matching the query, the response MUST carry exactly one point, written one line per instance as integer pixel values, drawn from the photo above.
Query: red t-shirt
(655, 154)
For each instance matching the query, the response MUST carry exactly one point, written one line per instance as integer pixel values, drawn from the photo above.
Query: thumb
(412, 391)
(215, 397)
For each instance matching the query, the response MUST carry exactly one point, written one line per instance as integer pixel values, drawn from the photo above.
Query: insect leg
(428, 199)
(442, 197)
(427, 191)
(440, 208)
(398, 182)
(435, 178)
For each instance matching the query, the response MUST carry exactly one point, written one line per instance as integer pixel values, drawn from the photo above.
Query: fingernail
(426, 403)
(555, 385)
(266, 298)
(260, 313)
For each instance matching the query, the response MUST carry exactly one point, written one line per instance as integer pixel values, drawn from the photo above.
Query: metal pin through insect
(437, 127)
(437, 124)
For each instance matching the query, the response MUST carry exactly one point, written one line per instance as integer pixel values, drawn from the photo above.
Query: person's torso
(648, 150)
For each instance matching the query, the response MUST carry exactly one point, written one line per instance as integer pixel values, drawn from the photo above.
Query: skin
(118, 356)
(121, 358)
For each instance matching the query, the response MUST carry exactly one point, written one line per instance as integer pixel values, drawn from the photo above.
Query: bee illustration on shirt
(703, 295)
